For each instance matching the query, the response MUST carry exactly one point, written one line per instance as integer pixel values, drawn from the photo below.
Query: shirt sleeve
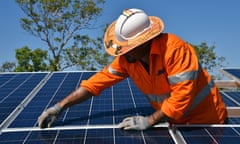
(182, 68)
(105, 78)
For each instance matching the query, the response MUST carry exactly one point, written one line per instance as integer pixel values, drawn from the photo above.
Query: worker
(164, 67)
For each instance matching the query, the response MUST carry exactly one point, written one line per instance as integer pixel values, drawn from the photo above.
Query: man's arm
(50, 115)
(156, 117)
(79, 95)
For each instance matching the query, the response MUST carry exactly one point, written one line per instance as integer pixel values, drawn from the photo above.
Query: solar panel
(57, 87)
(14, 88)
(211, 134)
(233, 71)
(231, 98)
(95, 120)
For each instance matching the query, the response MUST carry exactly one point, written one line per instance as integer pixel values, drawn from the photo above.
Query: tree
(89, 57)
(56, 22)
(23, 56)
(208, 58)
(8, 67)
(39, 58)
(29, 60)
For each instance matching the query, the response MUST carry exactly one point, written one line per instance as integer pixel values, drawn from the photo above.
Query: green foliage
(23, 57)
(8, 67)
(59, 24)
(38, 57)
(29, 60)
(56, 22)
(86, 54)
(208, 58)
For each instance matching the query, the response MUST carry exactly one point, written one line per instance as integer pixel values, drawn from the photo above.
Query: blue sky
(215, 22)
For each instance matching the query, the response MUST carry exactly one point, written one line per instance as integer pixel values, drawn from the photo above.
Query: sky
(212, 21)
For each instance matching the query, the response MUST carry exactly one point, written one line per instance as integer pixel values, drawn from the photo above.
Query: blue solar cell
(72, 136)
(4, 78)
(15, 89)
(88, 136)
(114, 104)
(237, 129)
(13, 137)
(11, 84)
(233, 71)
(196, 135)
(234, 120)
(57, 87)
(227, 100)
(225, 135)
(231, 99)
(210, 135)
(100, 136)
(235, 95)
(157, 135)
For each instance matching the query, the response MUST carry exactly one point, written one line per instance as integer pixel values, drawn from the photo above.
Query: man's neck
(145, 58)
(145, 61)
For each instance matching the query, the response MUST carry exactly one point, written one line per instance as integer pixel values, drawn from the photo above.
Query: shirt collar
(155, 49)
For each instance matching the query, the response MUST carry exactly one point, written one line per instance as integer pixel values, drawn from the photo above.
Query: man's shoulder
(170, 36)
(172, 41)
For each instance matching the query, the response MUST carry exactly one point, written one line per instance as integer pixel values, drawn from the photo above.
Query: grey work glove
(135, 123)
(49, 116)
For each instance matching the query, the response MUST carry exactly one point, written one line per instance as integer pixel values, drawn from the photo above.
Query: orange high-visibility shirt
(176, 82)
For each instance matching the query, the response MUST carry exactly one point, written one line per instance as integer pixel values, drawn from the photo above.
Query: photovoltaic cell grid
(233, 71)
(231, 99)
(221, 135)
(14, 88)
(114, 103)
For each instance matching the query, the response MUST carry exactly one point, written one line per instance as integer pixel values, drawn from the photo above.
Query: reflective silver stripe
(200, 96)
(188, 75)
(114, 72)
(157, 98)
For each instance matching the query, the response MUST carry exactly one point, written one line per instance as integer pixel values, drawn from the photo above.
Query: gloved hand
(135, 123)
(49, 116)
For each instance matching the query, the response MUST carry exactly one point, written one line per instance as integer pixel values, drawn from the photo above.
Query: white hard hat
(132, 28)
(131, 23)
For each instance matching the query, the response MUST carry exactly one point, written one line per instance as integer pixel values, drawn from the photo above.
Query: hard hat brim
(117, 48)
